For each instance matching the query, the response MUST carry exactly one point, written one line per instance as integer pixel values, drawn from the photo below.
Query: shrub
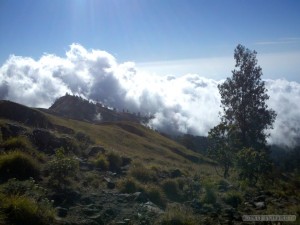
(233, 198)
(129, 185)
(62, 168)
(25, 202)
(19, 142)
(190, 187)
(16, 164)
(23, 210)
(101, 162)
(156, 195)
(210, 196)
(142, 174)
(171, 190)
(115, 161)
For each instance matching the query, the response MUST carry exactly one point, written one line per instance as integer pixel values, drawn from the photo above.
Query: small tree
(222, 146)
(243, 99)
(252, 164)
(61, 168)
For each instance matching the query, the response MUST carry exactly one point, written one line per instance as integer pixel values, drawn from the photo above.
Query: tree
(246, 116)
(223, 146)
(243, 98)
(252, 164)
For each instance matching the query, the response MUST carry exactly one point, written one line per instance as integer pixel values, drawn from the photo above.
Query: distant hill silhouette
(75, 107)
(22, 114)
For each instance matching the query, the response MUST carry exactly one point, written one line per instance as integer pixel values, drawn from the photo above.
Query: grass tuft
(16, 164)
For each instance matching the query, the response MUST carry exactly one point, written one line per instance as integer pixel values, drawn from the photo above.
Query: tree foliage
(252, 164)
(243, 98)
(223, 145)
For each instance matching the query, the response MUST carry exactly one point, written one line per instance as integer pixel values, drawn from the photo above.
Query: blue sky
(162, 36)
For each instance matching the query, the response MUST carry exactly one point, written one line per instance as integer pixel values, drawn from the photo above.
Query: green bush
(233, 198)
(115, 161)
(142, 174)
(61, 169)
(19, 142)
(23, 210)
(25, 202)
(171, 189)
(129, 185)
(101, 162)
(156, 195)
(210, 196)
(16, 164)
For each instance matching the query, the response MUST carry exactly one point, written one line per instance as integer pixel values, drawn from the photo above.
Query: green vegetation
(210, 196)
(179, 215)
(17, 164)
(61, 169)
(129, 185)
(24, 203)
(156, 195)
(115, 161)
(101, 162)
(141, 173)
(233, 198)
(16, 143)
(171, 190)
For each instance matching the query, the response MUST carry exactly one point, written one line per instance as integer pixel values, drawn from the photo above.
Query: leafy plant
(16, 164)
(210, 196)
(62, 168)
(253, 164)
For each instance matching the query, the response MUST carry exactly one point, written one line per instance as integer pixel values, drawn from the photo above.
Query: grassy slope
(139, 143)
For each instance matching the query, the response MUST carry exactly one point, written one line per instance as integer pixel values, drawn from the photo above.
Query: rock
(140, 197)
(94, 150)
(260, 205)
(151, 207)
(61, 212)
(12, 130)
(109, 183)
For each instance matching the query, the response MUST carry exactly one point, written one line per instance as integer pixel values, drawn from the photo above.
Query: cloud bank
(181, 104)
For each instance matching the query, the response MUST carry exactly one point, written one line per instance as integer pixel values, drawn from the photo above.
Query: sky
(198, 36)
(165, 58)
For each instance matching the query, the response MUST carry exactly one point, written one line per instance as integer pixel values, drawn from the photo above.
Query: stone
(140, 197)
(109, 183)
(260, 205)
(94, 150)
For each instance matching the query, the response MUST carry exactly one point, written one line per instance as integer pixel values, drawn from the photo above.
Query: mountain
(75, 107)
(61, 166)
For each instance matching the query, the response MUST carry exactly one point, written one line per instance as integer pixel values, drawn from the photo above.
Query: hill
(75, 107)
(116, 172)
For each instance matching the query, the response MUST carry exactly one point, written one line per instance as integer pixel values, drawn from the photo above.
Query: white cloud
(188, 103)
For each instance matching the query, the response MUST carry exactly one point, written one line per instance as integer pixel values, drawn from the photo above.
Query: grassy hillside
(119, 173)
